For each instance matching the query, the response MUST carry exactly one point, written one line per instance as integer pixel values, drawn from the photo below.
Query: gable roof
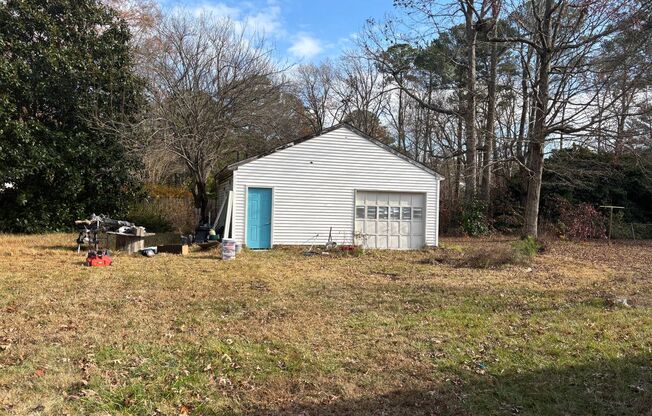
(234, 166)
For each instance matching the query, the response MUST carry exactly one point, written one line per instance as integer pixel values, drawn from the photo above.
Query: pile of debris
(95, 231)
(91, 230)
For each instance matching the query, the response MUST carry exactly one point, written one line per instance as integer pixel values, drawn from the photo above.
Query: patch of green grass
(452, 247)
(527, 247)
(144, 375)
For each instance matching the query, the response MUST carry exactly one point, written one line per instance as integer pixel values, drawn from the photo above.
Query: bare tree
(208, 83)
(436, 17)
(490, 129)
(565, 36)
(471, 13)
(143, 18)
(402, 58)
(314, 86)
(623, 58)
(360, 91)
(564, 89)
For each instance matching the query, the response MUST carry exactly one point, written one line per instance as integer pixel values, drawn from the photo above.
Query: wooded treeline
(490, 89)
(517, 104)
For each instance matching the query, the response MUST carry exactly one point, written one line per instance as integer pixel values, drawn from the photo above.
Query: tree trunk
(525, 135)
(490, 133)
(525, 108)
(620, 136)
(201, 200)
(401, 121)
(621, 121)
(469, 113)
(539, 132)
(428, 132)
(458, 170)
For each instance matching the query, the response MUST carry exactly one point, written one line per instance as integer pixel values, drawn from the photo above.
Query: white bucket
(228, 249)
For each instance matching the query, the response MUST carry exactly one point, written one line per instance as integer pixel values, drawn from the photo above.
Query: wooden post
(229, 208)
(217, 218)
(611, 216)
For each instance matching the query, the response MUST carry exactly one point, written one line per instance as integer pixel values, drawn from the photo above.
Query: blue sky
(301, 30)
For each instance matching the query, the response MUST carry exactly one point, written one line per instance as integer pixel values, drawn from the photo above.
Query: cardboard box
(182, 249)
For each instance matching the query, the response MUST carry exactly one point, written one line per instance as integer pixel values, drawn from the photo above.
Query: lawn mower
(98, 258)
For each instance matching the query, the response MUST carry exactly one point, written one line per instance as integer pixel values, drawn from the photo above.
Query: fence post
(611, 216)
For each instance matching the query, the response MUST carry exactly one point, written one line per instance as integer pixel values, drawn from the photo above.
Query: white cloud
(262, 17)
(305, 47)
(218, 10)
(266, 21)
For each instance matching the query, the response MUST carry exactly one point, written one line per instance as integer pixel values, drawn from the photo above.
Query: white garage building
(366, 191)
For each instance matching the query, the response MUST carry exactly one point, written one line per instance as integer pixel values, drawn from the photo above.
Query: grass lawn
(279, 333)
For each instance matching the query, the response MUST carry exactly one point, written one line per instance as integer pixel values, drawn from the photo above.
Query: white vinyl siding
(315, 184)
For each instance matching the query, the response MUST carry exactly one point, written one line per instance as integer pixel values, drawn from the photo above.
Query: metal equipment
(330, 244)
(91, 229)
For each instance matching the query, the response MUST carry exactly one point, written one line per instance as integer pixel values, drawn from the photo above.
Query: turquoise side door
(259, 218)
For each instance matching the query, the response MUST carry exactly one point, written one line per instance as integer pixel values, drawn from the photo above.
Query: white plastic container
(228, 249)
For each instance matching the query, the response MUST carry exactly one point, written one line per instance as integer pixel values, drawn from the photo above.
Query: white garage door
(390, 219)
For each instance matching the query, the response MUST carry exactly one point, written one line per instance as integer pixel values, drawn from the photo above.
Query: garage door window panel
(383, 213)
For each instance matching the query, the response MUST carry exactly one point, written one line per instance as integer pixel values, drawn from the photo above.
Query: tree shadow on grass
(621, 386)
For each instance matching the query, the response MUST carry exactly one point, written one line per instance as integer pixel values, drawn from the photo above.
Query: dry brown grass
(480, 258)
(276, 332)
